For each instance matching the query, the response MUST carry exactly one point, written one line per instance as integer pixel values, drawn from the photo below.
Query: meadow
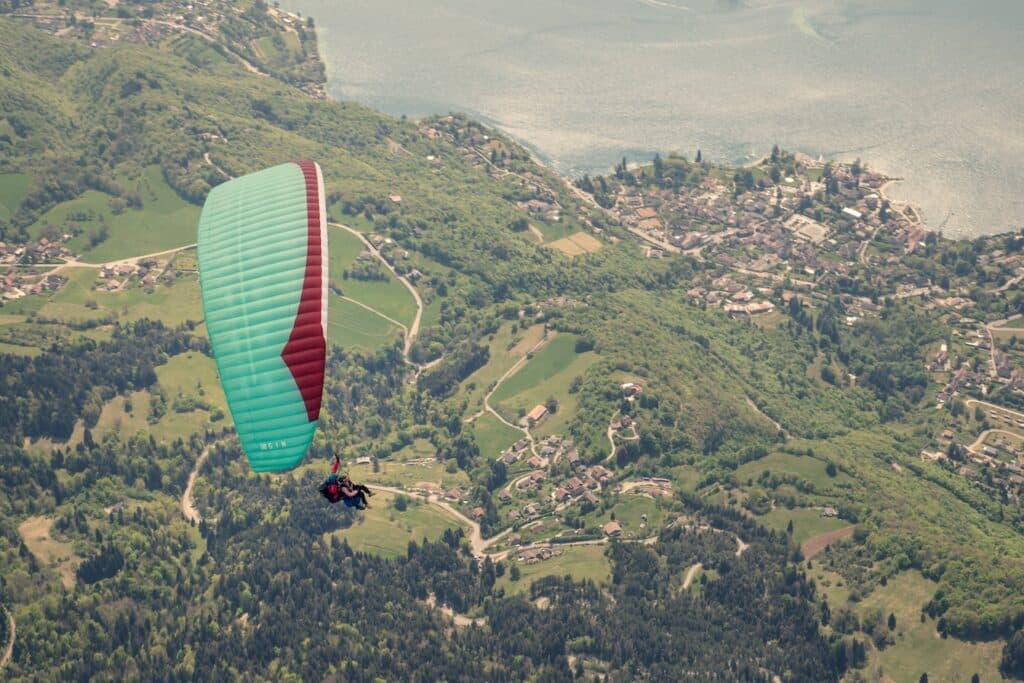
(582, 562)
(165, 221)
(918, 647)
(548, 374)
(386, 531)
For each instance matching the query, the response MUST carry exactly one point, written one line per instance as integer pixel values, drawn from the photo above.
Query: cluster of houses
(115, 277)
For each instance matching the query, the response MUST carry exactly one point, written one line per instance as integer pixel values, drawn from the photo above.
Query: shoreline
(568, 180)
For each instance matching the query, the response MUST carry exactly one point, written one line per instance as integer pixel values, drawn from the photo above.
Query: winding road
(188, 506)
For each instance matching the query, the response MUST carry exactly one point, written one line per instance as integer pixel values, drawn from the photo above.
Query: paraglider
(262, 251)
(336, 489)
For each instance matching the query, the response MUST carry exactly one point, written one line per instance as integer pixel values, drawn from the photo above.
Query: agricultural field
(386, 531)
(548, 374)
(352, 327)
(164, 222)
(576, 244)
(582, 562)
(57, 555)
(919, 648)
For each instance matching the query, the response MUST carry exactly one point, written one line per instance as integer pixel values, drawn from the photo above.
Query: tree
(698, 158)
(513, 573)
(1012, 664)
(830, 469)
(892, 621)
(923, 679)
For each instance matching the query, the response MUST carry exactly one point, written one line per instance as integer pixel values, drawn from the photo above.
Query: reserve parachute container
(262, 252)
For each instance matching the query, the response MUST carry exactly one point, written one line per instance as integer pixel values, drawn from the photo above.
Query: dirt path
(980, 441)
(753, 406)
(459, 619)
(188, 506)
(13, 628)
(405, 330)
(814, 545)
(412, 330)
(690, 574)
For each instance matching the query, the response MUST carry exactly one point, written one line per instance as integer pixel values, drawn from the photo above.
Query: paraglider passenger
(337, 488)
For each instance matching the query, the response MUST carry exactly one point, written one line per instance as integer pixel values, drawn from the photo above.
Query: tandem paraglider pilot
(337, 488)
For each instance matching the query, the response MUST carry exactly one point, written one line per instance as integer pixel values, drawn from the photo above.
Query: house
(853, 213)
(396, 198)
(509, 457)
(631, 389)
(612, 529)
(575, 487)
(478, 513)
(535, 415)
(560, 494)
(505, 496)
(589, 497)
(364, 460)
(646, 212)
(536, 461)
(453, 494)
(829, 512)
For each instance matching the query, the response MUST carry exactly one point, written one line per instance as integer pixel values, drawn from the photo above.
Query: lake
(931, 91)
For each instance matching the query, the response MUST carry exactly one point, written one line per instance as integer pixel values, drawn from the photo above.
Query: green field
(492, 436)
(508, 345)
(918, 648)
(13, 188)
(548, 374)
(19, 350)
(352, 327)
(172, 304)
(383, 530)
(581, 562)
(628, 511)
(390, 296)
(805, 467)
(807, 523)
(165, 221)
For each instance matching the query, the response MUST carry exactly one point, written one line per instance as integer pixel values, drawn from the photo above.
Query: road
(13, 628)
(188, 506)
(1016, 413)
(980, 441)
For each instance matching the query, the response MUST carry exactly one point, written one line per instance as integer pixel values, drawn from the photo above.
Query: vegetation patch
(49, 552)
(13, 188)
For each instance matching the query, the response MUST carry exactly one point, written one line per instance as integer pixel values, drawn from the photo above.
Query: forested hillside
(704, 496)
